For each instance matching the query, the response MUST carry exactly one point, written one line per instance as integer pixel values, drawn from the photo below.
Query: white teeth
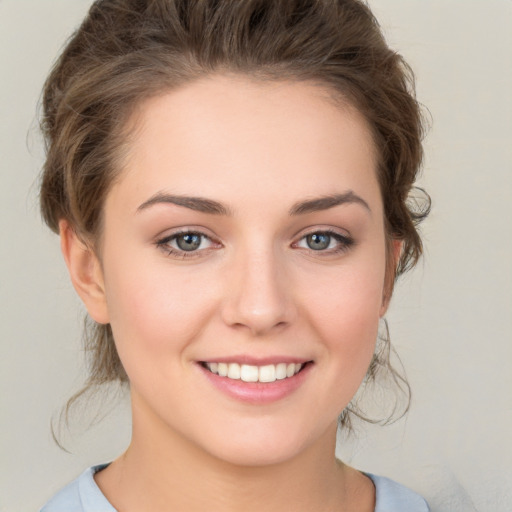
(234, 371)
(222, 369)
(251, 373)
(281, 371)
(267, 373)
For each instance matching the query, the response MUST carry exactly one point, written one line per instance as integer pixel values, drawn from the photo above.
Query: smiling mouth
(251, 373)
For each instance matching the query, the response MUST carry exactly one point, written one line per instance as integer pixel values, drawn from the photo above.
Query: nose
(258, 296)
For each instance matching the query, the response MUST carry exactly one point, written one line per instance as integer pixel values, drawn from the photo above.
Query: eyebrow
(198, 204)
(326, 202)
(212, 207)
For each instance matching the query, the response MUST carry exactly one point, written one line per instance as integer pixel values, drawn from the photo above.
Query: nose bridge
(257, 293)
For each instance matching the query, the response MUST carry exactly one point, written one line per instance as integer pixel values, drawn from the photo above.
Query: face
(245, 236)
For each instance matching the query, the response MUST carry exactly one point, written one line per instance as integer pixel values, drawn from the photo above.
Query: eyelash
(177, 253)
(344, 243)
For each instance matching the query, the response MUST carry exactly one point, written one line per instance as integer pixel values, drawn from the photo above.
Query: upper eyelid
(164, 243)
(169, 238)
(340, 238)
(344, 240)
(168, 234)
(329, 230)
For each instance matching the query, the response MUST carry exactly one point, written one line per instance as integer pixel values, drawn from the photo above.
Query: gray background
(451, 319)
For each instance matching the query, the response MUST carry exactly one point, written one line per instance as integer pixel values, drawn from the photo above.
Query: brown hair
(129, 50)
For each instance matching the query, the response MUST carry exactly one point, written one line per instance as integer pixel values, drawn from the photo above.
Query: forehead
(233, 136)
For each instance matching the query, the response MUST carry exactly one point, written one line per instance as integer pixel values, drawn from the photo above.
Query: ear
(393, 253)
(85, 271)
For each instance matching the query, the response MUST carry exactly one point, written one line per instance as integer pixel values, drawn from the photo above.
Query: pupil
(318, 241)
(188, 242)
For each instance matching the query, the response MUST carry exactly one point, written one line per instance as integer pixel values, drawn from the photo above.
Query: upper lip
(256, 361)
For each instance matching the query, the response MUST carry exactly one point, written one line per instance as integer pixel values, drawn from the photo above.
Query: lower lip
(258, 392)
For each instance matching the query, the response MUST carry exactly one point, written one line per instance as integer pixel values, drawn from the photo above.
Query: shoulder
(390, 496)
(81, 495)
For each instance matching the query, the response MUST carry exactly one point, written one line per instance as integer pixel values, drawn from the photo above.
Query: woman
(229, 181)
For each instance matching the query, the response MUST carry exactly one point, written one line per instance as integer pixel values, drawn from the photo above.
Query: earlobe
(394, 251)
(85, 271)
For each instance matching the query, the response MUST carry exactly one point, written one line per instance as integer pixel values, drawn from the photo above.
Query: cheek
(155, 308)
(346, 324)
(351, 326)
(351, 296)
(345, 306)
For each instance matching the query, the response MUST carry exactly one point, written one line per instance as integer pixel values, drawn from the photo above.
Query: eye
(325, 241)
(185, 244)
(189, 241)
(318, 241)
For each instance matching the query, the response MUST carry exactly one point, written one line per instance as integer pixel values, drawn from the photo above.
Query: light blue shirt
(83, 495)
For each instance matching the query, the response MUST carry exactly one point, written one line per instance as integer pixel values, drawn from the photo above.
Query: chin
(249, 455)
(252, 447)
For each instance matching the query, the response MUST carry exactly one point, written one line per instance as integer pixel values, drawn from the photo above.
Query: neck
(163, 471)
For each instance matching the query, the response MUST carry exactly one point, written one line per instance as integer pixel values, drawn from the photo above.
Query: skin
(253, 288)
